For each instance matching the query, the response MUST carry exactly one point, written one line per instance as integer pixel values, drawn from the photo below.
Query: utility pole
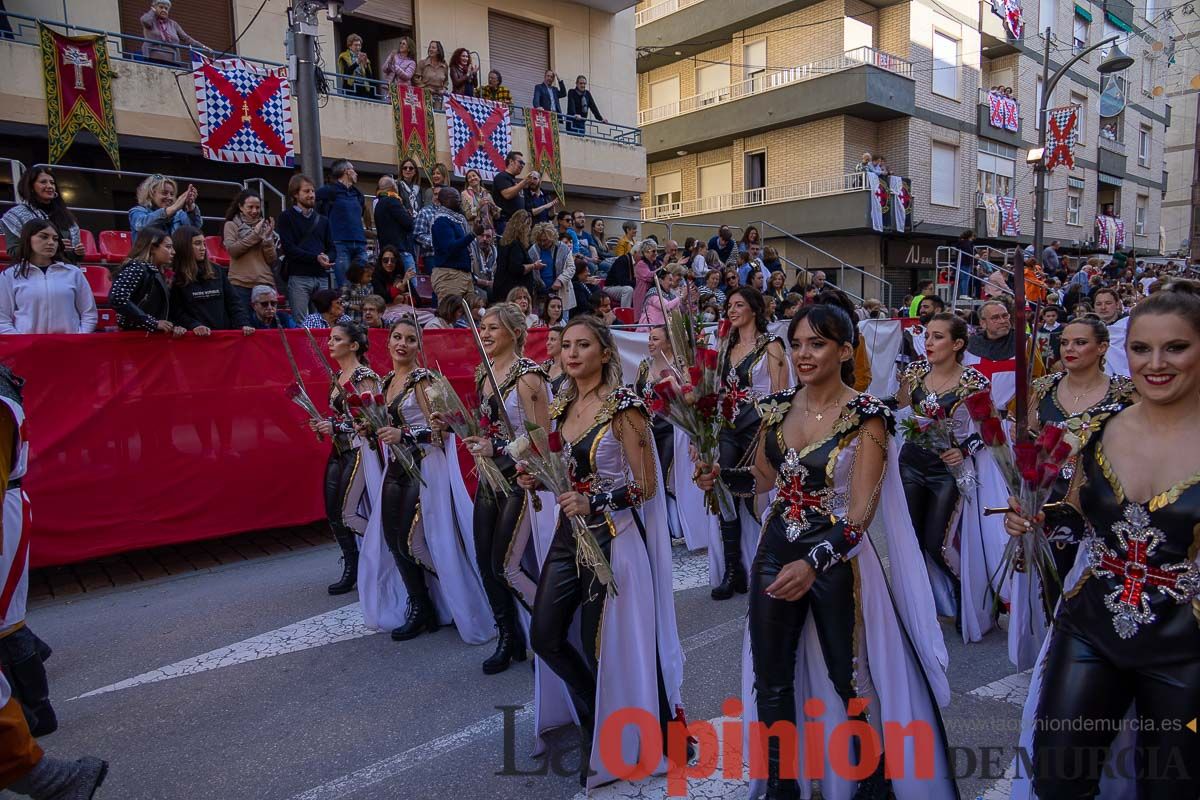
(302, 24)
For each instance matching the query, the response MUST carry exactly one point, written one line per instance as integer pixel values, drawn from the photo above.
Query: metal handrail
(660, 10)
(777, 78)
(842, 267)
(953, 259)
(820, 187)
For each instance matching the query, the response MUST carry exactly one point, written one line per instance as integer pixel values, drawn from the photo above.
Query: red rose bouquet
(541, 454)
(369, 412)
(445, 401)
(936, 432)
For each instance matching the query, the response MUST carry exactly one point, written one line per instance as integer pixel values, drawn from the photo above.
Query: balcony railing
(1111, 140)
(821, 187)
(774, 79)
(127, 48)
(657, 11)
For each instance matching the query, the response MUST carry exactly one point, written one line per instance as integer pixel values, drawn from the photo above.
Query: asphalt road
(249, 681)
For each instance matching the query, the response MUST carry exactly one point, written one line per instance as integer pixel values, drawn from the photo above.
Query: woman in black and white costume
(428, 569)
(824, 622)
(1116, 678)
(753, 365)
(627, 654)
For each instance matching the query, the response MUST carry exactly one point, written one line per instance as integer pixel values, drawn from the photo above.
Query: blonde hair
(150, 186)
(544, 229)
(511, 318)
(517, 229)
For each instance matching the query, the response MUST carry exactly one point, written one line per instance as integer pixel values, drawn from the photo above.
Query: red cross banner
(78, 84)
(1061, 136)
(245, 112)
(480, 134)
(542, 127)
(412, 114)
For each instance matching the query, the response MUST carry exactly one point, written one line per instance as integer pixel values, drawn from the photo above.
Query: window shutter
(520, 50)
(210, 21)
(390, 12)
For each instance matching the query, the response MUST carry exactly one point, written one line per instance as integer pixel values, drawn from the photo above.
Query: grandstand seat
(216, 251)
(422, 289)
(91, 253)
(624, 315)
(3, 250)
(100, 279)
(105, 318)
(115, 246)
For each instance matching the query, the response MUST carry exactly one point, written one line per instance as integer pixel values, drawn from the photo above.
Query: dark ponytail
(358, 335)
(958, 330)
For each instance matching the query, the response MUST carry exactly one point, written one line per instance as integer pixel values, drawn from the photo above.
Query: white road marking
(689, 570)
(1009, 689)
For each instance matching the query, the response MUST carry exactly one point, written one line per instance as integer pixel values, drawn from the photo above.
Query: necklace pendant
(820, 417)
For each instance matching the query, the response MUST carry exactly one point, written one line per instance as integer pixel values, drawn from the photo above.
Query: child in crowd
(357, 289)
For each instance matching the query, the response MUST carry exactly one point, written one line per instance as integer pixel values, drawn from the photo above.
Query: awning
(1083, 13)
(1117, 22)
(1074, 183)
(1110, 180)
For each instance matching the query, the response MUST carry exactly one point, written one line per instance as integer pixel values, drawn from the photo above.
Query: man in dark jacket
(452, 237)
(394, 222)
(264, 302)
(306, 243)
(342, 202)
(546, 96)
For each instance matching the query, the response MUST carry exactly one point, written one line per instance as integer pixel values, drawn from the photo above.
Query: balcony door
(712, 84)
(715, 183)
(667, 193)
(755, 177)
(754, 64)
(520, 50)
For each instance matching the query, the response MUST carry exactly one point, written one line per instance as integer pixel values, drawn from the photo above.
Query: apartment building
(604, 165)
(1179, 24)
(757, 112)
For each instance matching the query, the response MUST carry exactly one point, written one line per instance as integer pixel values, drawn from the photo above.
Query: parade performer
(752, 366)
(686, 513)
(822, 621)
(438, 582)
(553, 362)
(1079, 399)
(503, 525)
(343, 483)
(631, 656)
(1120, 667)
(963, 545)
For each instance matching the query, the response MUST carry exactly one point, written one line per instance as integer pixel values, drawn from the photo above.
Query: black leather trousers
(932, 497)
(401, 504)
(501, 536)
(338, 471)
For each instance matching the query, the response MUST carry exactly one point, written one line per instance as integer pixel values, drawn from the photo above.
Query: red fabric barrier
(138, 441)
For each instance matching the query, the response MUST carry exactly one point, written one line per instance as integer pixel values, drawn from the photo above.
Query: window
(945, 66)
(1144, 146)
(755, 172)
(997, 165)
(1139, 215)
(712, 83)
(520, 50)
(1147, 75)
(1080, 32)
(668, 190)
(1046, 9)
(715, 181)
(754, 61)
(943, 174)
(664, 95)
(1074, 203)
(1081, 101)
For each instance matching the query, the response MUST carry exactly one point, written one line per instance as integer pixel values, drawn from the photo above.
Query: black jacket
(209, 302)
(621, 272)
(578, 104)
(394, 224)
(510, 271)
(140, 297)
(301, 240)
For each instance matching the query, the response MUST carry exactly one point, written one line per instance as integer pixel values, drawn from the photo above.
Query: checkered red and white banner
(245, 112)
(480, 134)
(1010, 216)
(1062, 134)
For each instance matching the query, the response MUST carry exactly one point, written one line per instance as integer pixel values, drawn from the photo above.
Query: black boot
(510, 646)
(31, 688)
(876, 786)
(421, 618)
(345, 540)
(734, 579)
(56, 779)
(778, 788)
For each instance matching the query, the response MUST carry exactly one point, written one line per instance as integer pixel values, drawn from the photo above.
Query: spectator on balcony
(42, 292)
(643, 272)
(329, 310)
(477, 203)
(538, 202)
(342, 202)
(399, 66)
(495, 90)
(432, 71)
(159, 206)
(882, 168)
(507, 190)
(354, 68)
(202, 298)
(722, 243)
(306, 245)
(39, 199)
(161, 30)
(251, 241)
(451, 236)
(865, 164)
(579, 103)
(394, 224)
(264, 303)
(409, 185)
(547, 96)
(139, 293)
(464, 75)
(439, 176)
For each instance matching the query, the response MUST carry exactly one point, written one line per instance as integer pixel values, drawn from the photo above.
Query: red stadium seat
(105, 318)
(91, 253)
(3, 250)
(624, 315)
(115, 246)
(216, 251)
(100, 279)
(422, 286)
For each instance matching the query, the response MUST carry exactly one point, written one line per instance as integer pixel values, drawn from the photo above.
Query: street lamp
(1115, 61)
